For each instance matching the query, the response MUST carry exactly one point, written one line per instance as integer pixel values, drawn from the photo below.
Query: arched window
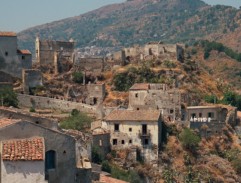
(50, 160)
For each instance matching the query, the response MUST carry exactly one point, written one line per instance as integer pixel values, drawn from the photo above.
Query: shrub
(32, 109)
(106, 167)
(189, 139)
(96, 155)
(76, 121)
(78, 77)
(8, 97)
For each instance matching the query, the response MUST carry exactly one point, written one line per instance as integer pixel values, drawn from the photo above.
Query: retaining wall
(52, 103)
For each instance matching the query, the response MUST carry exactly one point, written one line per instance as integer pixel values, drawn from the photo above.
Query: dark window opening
(64, 152)
(50, 162)
(37, 122)
(95, 101)
(138, 109)
(144, 129)
(136, 95)
(23, 57)
(130, 129)
(6, 53)
(171, 111)
(116, 127)
(211, 115)
(123, 142)
(146, 141)
(193, 115)
(130, 141)
(114, 141)
(200, 115)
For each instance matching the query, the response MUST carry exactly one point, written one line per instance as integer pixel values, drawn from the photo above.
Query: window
(193, 115)
(136, 95)
(100, 142)
(114, 141)
(171, 111)
(130, 141)
(211, 115)
(117, 127)
(50, 160)
(200, 115)
(144, 129)
(130, 129)
(137, 108)
(23, 57)
(6, 53)
(146, 142)
(123, 142)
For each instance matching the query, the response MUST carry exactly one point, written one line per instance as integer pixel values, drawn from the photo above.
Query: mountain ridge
(137, 22)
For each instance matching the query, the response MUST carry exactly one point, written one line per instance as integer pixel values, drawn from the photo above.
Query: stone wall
(95, 65)
(18, 114)
(206, 129)
(62, 144)
(46, 51)
(31, 78)
(51, 103)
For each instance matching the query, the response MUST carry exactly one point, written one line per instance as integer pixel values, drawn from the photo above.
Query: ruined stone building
(6, 80)
(91, 64)
(13, 60)
(31, 152)
(31, 78)
(146, 96)
(54, 53)
(139, 130)
(210, 120)
(149, 51)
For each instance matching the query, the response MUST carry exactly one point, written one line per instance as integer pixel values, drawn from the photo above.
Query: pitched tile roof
(134, 115)
(24, 52)
(106, 179)
(5, 122)
(23, 149)
(140, 86)
(8, 34)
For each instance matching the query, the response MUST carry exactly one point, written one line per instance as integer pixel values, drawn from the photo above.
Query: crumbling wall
(51, 103)
(47, 49)
(96, 93)
(18, 114)
(95, 65)
(31, 78)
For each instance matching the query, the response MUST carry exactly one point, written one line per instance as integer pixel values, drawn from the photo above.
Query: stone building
(54, 53)
(31, 78)
(146, 96)
(13, 60)
(210, 120)
(6, 80)
(90, 64)
(38, 154)
(140, 129)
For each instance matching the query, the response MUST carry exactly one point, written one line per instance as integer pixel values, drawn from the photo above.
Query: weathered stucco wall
(62, 144)
(31, 78)
(51, 103)
(22, 172)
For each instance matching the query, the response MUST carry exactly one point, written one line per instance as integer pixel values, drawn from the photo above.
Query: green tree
(78, 77)
(189, 139)
(76, 121)
(106, 166)
(8, 97)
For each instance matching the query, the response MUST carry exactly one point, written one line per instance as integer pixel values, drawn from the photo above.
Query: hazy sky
(18, 15)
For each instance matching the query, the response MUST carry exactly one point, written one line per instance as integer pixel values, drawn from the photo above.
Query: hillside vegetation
(140, 21)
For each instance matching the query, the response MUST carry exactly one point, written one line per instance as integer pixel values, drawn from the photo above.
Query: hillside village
(147, 116)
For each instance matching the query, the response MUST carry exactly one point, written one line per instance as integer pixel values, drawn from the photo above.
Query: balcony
(145, 134)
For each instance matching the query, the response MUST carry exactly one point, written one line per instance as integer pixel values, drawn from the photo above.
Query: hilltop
(139, 21)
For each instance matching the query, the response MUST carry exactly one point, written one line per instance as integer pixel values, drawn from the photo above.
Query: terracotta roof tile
(106, 179)
(5, 122)
(24, 52)
(23, 149)
(8, 34)
(140, 86)
(134, 115)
